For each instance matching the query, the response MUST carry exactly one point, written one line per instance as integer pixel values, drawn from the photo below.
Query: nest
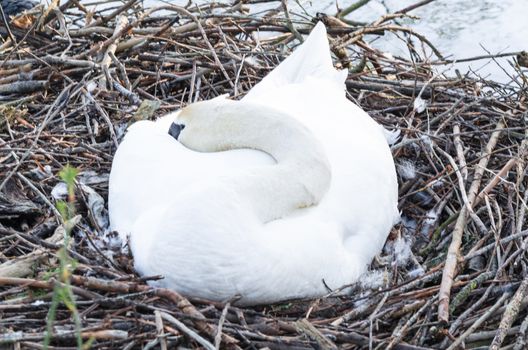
(453, 273)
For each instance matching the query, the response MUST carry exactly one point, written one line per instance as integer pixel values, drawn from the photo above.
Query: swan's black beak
(175, 130)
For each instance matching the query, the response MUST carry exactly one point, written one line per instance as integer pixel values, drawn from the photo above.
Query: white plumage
(217, 224)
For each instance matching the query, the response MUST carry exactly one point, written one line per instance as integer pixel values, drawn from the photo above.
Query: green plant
(62, 292)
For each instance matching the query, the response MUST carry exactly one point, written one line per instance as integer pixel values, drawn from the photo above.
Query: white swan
(281, 195)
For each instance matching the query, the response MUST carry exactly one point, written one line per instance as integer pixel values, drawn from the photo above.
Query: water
(461, 29)
(458, 28)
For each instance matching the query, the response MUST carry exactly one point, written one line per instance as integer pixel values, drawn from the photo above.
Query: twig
(453, 252)
(478, 322)
(510, 315)
(414, 6)
(187, 331)
(159, 329)
(218, 336)
(305, 327)
(460, 152)
(121, 23)
(351, 8)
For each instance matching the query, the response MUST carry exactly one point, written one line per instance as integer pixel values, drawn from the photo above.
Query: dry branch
(453, 252)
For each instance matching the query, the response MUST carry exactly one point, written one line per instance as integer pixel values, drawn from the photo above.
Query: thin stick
(160, 331)
(510, 315)
(460, 151)
(218, 336)
(187, 331)
(450, 267)
(479, 321)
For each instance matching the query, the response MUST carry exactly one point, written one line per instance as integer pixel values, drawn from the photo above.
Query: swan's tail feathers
(311, 59)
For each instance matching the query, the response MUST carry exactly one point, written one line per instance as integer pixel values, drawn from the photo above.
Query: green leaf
(68, 174)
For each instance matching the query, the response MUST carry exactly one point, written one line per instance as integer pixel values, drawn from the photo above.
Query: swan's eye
(175, 130)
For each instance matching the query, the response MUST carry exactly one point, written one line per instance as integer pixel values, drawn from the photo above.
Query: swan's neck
(302, 174)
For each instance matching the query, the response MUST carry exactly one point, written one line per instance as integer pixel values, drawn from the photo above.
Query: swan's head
(208, 126)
